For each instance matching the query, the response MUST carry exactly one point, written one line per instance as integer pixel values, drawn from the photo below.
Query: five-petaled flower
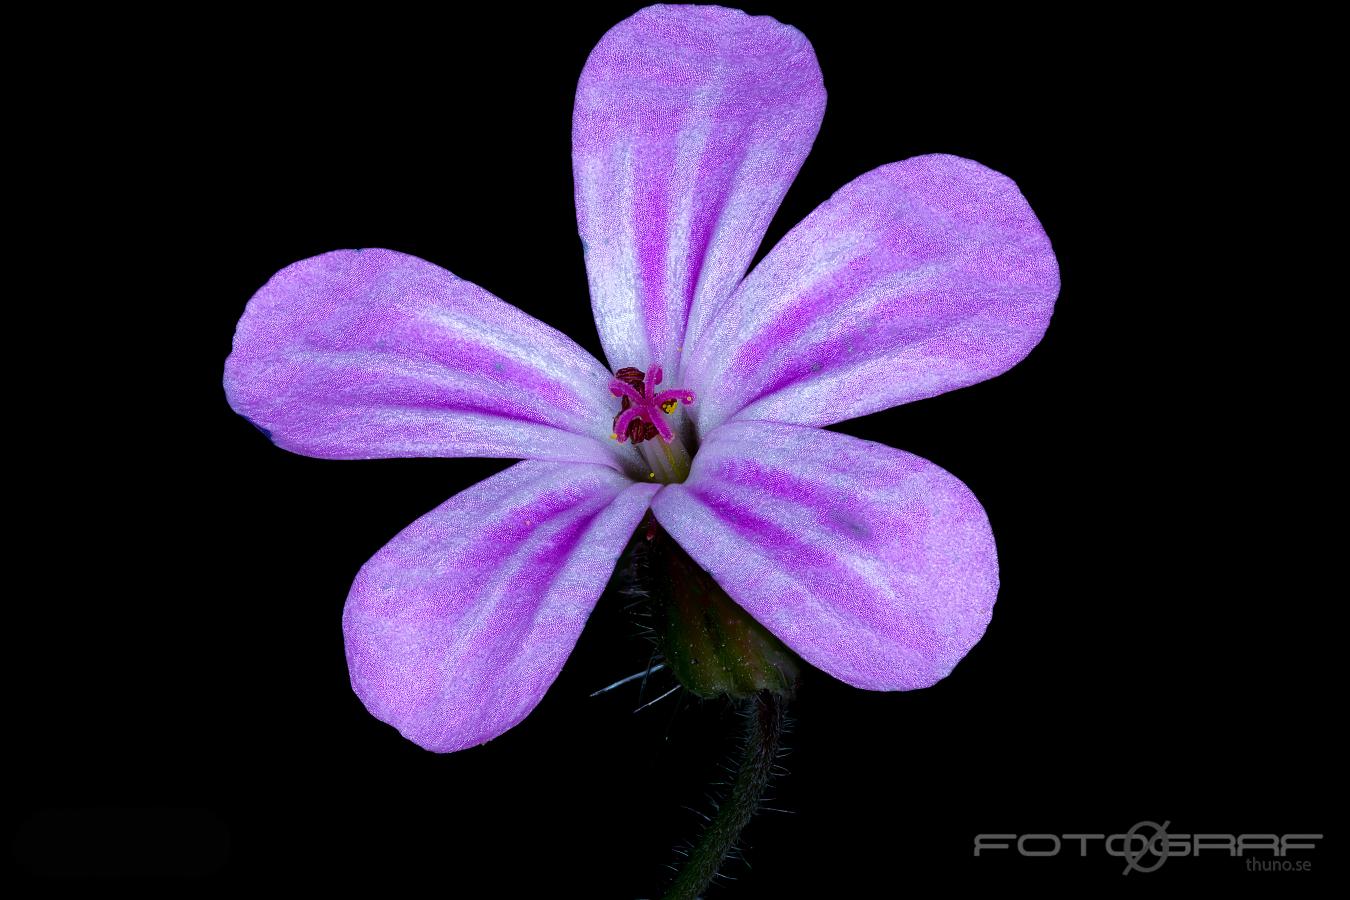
(874, 565)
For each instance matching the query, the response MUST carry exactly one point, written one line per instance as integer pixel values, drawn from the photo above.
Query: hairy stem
(764, 731)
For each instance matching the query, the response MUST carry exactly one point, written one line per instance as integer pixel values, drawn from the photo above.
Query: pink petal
(458, 626)
(690, 123)
(917, 278)
(874, 564)
(372, 353)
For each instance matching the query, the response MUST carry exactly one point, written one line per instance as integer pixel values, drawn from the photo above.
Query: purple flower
(874, 565)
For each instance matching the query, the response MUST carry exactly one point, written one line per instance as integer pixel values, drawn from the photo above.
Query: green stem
(764, 731)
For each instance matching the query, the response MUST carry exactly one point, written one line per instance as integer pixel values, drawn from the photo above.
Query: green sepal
(713, 646)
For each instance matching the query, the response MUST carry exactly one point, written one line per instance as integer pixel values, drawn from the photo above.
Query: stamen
(670, 455)
(623, 423)
(642, 417)
(630, 375)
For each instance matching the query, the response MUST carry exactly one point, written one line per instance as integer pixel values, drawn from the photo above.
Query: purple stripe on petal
(875, 565)
(690, 123)
(457, 627)
(917, 278)
(372, 353)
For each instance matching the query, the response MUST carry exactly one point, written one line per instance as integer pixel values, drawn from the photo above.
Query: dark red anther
(635, 378)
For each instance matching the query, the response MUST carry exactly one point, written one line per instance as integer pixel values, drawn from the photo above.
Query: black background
(1143, 662)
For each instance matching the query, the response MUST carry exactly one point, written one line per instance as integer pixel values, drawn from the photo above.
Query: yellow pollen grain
(651, 474)
(669, 406)
(613, 437)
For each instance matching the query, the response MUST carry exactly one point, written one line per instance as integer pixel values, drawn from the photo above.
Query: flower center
(642, 417)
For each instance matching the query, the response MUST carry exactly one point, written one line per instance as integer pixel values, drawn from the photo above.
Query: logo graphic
(1156, 846)
(1147, 845)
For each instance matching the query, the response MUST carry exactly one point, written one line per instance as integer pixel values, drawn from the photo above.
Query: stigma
(643, 410)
